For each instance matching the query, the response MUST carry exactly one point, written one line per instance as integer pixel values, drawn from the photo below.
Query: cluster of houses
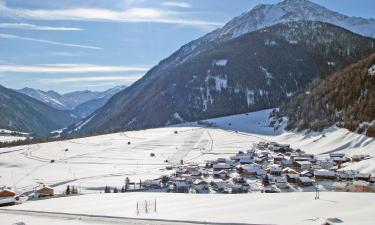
(268, 167)
(10, 197)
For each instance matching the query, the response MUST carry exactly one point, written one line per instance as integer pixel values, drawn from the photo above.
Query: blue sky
(70, 45)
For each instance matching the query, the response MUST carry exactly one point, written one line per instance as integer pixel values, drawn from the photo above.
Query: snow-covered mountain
(240, 67)
(81, 103)
(19, 112)
(51, 98)
(264, 15)
(248, 73)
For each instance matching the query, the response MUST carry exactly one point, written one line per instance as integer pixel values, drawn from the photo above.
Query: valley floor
(94, 162)
(283, 208)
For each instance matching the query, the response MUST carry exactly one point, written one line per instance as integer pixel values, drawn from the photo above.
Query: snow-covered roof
(221, 166)
(274, 168)
(303, 163)
(339, 185)
(324, 173)
(361, 183)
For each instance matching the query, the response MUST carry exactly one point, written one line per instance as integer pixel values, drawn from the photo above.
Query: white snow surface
(283, 209)
(94, 162)
(221, 62)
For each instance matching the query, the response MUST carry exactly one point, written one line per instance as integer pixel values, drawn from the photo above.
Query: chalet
(278, 158)
(303, 165)
(221, 160)
(306, 173)
(221, 166)
(341, 159)
(262, 145)
(357, 158)
(5, 201)
(220, 185)
(151, 183)
(304, 181)
(238, 179)
(360, 186)
(181, 169)
(340, 187)
(45, 191)
(326, 164)
(246, 161)
(245, 187)
(324, 175)
(336, 155)
(180, 187)
(196, 173)
(236, 188)
(281, 182)
(201, 186)
(363, 176)
(239, 156)
(251, 151)
(300, 158)
(260, 160)
(7, 193)
(220, 174)
(292, 178)
(274, 170)
(288, 170)
(271, 190)
(287, 162)
(252, 169)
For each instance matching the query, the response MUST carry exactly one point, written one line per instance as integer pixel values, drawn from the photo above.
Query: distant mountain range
(345, 98)
(22, 113)
(80, 103)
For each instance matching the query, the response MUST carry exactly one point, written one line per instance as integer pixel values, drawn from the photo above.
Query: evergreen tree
(67, 192)
(164, 180)
(115, 190)
(127, 181)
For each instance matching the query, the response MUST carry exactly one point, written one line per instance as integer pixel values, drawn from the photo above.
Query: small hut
(45, 191)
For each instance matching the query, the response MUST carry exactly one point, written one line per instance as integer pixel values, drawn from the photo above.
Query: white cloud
(15, 37)
(127, 78)
(177, 4)
(67, 54)
(26, 26)
(69, 68)
(132, 15)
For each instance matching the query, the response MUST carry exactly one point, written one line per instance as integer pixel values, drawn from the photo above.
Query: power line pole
(317, 190)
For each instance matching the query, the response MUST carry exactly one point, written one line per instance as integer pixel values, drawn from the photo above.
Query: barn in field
(45, 191)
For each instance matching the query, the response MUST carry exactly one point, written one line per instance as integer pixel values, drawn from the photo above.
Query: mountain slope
(265, 15)
(346, 98)
(248, 73)
(50, 98)
(20, 112)
(81, 103)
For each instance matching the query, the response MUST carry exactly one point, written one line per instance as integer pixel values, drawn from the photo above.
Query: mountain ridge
(80, 103)
(22, 113)
(237, 76)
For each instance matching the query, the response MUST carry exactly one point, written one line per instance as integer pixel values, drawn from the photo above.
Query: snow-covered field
(5, 136)
(283, 209)
(94, 162)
